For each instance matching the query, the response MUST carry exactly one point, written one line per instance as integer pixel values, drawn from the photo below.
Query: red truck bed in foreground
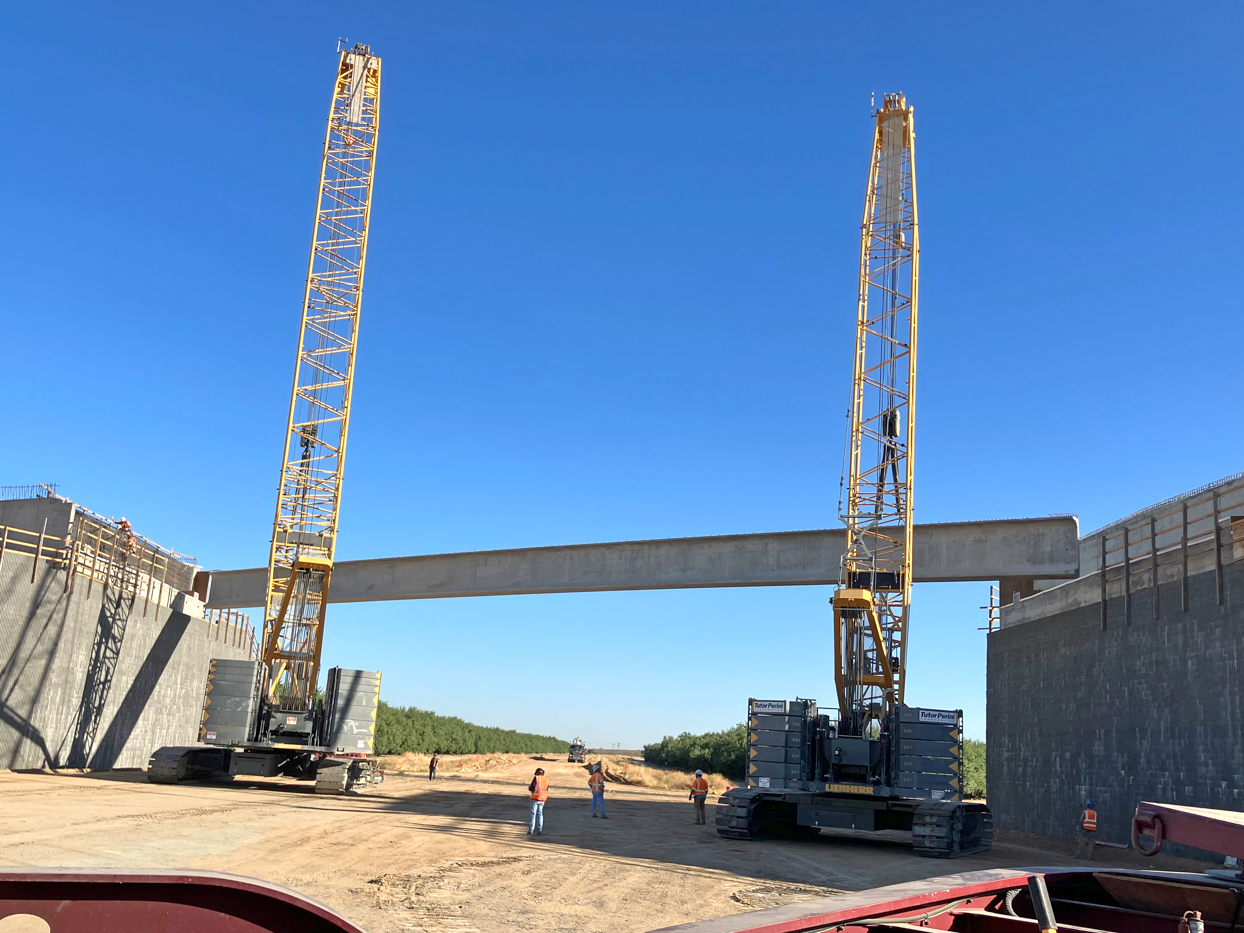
(115, 900)
(1083, 900)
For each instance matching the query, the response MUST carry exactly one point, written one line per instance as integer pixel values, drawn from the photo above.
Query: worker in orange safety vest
(699, 793)
(596, 783)
(1088, 831)
(539, 788)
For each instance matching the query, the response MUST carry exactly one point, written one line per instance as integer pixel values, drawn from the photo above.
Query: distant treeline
(722, 752)
(725, 753)
(407, 729)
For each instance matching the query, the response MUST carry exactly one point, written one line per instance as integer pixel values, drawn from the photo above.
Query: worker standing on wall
(596, 782)
(539, 788)
(1088, 831)
(699, 793)
(126, 535)
(436, 760)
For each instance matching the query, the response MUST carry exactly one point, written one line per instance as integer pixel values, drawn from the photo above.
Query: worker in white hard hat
(699, 794)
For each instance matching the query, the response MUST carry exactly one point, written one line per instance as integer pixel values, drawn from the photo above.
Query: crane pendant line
(873, 599)
(304, 532)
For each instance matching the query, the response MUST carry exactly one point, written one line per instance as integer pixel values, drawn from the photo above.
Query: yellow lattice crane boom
(304, 533)
(873, 599)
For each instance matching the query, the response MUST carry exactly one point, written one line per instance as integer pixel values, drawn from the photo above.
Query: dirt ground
(454, 855)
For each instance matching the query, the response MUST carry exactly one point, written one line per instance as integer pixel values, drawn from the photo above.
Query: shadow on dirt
(662, 831)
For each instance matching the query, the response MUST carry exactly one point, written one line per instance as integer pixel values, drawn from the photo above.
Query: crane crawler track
(947, 829)
(737, 816)
(177, 764)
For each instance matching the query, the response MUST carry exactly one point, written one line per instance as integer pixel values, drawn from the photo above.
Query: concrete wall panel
(93, 681)
(1149, 710)
(29, 514)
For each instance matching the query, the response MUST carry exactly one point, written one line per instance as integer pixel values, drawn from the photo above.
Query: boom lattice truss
(872, 603)
(304, 533)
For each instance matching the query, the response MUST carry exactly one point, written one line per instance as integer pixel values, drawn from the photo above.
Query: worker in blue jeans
(539, 788)
(597, 785)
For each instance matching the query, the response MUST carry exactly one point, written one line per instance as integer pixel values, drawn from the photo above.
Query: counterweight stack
(872, 603)
(304, 534)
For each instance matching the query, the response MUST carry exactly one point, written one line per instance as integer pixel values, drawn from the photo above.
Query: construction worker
(127, 535)
(596, 782)
(539, 788)
(436, 760)
(1088, 831)
(699, 793)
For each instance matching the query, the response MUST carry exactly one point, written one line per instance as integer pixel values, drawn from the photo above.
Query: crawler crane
(264, 717)
(873, 763)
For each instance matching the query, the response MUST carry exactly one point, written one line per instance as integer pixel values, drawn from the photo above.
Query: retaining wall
(1146, 709)
(95, 678)
(30, 514)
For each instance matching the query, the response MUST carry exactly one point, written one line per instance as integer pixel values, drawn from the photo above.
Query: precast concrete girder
(1034, 548)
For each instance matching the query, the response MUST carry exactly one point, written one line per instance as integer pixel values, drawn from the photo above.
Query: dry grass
(417, 763)
(637, 773)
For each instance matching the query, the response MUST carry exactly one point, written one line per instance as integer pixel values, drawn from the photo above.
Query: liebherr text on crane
(267, 717)
(873, 763)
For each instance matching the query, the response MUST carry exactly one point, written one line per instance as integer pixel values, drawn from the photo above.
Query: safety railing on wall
(31, 491)
(993, 611)
(233, 628)
(111, 557)
(114, 558)
(37, 544)
(1212, 515)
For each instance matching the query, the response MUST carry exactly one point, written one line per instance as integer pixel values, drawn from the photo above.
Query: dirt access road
(453, 855)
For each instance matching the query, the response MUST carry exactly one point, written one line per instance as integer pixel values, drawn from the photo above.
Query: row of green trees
(725, 753)
(722, 752)
(973, 768)
(409, 729)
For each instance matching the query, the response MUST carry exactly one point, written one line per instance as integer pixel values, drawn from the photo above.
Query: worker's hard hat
(699, 773)
(539, 770)
(1089, 805)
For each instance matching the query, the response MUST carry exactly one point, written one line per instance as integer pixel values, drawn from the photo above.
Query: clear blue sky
(609, 296)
